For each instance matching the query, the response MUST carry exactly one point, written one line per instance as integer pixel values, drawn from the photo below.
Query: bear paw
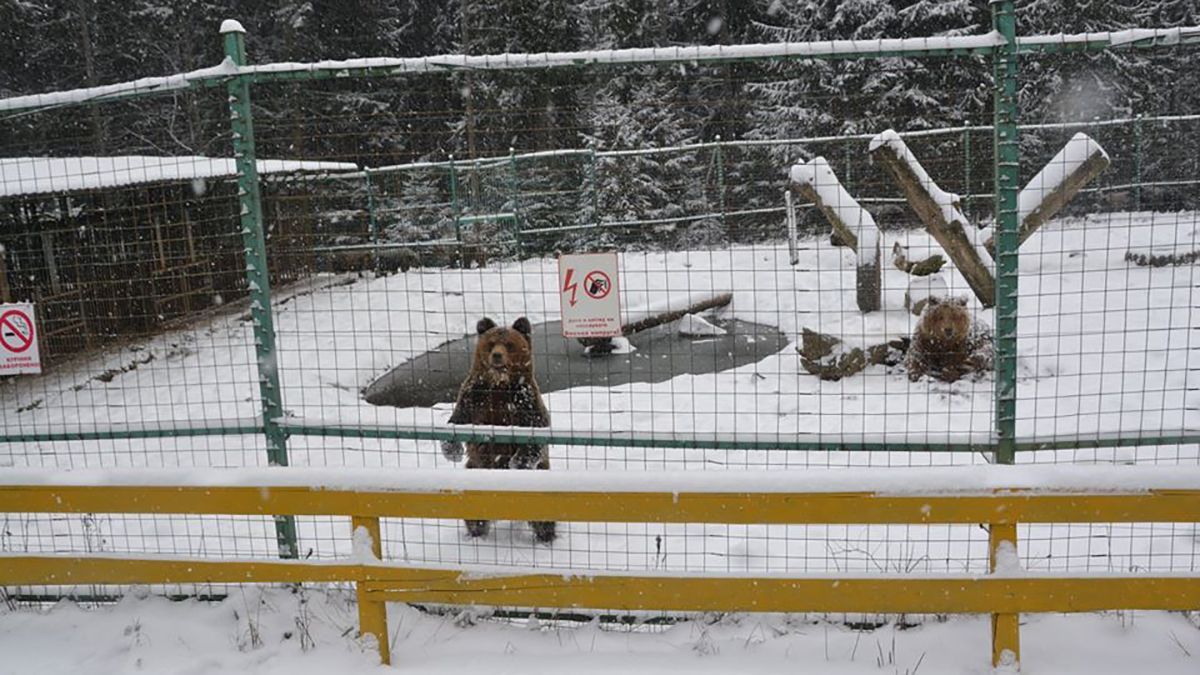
(478, 528)
(543, 531)
(452, 450)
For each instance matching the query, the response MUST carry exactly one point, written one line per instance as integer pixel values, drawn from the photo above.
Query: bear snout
(498, 357)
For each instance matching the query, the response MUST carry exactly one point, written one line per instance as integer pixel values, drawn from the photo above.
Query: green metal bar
(239, 428)
(257, 275)
(966, 140)
(786, 442)
(1137, 164)
(252, 428)
(1007, 177)
(372, 221)
(514, 192)
(1107, 441)
(454, 203)
(782, 442)
(848, 181)
(593, 187)
(719, 158)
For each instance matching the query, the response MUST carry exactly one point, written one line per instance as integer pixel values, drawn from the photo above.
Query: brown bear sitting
(500, 390)
(947, 343)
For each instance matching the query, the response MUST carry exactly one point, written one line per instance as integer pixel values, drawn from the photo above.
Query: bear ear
(523, 326)
(485, 324)
(933, 301)
(960, 301)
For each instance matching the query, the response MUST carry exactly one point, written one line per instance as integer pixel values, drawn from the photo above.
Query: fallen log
(830, 359)
(597, 346)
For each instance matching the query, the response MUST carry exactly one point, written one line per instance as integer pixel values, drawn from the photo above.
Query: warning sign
(18, 340)
(591, 301)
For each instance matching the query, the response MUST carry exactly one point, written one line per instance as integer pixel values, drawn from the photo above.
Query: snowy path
(156, 636)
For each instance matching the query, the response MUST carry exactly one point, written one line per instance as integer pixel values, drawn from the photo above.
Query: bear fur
(500, 390)
(947, 343)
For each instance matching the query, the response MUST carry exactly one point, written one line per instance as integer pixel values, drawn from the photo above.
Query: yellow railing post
(1006, 628)
(372, 614)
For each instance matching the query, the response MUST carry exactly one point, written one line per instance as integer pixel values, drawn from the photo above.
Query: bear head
(945, 322)
(503, 355)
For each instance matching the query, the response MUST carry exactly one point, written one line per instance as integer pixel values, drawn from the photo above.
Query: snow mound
(692, 325)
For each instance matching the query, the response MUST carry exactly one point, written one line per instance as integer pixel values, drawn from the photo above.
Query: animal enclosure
(297, 280)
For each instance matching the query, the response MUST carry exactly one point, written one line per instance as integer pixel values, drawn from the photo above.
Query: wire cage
(296, 279)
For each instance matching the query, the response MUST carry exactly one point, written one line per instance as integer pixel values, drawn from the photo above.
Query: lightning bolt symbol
(568, 285)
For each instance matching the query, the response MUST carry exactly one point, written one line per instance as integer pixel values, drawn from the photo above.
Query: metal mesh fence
(392, 224)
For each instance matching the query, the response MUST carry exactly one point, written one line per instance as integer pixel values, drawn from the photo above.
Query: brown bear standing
(947, 343)
(500, 390)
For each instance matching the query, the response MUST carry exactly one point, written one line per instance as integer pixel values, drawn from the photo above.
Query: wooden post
(372, 614)
(814, 179)
(1006, 628)
(919, 189)
(1034, 211)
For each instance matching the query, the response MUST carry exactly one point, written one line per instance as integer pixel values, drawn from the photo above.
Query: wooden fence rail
(1005, 593)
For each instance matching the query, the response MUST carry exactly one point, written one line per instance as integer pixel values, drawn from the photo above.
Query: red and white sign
(589, 295)
(18, 340)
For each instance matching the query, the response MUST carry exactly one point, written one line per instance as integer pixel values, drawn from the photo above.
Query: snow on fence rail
(920, 46)
(1005, 593)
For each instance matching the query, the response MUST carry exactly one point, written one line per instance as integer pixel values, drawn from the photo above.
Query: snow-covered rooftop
(51, 175)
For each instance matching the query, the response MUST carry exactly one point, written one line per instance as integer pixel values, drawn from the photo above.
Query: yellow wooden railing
(1004, 594)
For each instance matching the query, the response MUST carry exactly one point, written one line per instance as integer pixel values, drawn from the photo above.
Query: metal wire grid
(344, 304)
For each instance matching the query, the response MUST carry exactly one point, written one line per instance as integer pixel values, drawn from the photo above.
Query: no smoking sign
(588, 293)
(18, 340)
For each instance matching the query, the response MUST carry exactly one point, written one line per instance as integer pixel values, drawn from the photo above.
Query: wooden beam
(1006, 627)
(668, 317)
(942, 219)
(68, 570)
(372, 612)
(1040, 202)
(598, 590)
(1002, 506)
(816, 182)
(951, 594)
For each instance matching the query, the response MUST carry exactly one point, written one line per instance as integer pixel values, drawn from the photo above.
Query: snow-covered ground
(274, 631)
(1105, 347)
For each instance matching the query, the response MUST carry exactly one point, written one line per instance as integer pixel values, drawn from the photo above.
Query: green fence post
(1007, 175)
(257, 277)
(846, 153)
(454, 201)
(966, 199)
(514, 191)
(592, 187)
(720, 158)
(372, 222)
(1137, 164)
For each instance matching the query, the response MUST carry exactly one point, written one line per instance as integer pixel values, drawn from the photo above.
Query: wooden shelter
(113, 246)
